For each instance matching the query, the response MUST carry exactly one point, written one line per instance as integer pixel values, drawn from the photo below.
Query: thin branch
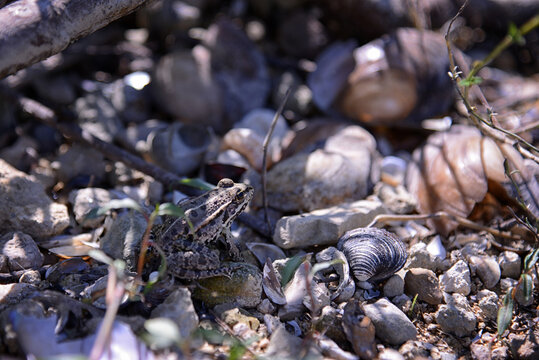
(442, 215)
(265, 154)
(32, 30)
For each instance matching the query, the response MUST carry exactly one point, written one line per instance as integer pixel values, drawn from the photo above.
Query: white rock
(510, 263)
(179, 308)
(456, 317)
(487, 268)
(488, 303)
(84, 200)
(419, 257)
(457, 279)
(324, 226)
(436, 248)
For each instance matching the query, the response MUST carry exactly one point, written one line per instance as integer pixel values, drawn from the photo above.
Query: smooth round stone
(21, 251)
(424, 283)
(510, 263)
(244, 287)
(487, 268)
(391, 324)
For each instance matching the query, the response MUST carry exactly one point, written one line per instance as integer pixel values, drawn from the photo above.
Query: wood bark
(33, 30)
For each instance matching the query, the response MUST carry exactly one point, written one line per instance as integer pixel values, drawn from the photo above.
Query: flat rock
(21, 251)
(324, 226)
(424, 283)
(24, 205)
(391, 324)
(457, 279)
(456, 317)
(179, 308)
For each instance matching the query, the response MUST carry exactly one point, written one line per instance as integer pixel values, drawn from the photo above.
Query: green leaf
(126, 203)
(527, 286)
(170, 209)
(290, 268)
(101, 256)
(324, 265)
(198, 183)
(469, 81)
(236, 351)
(162, 332)
(531, 259)
(516, 35)
(211, 335)
(505, 313)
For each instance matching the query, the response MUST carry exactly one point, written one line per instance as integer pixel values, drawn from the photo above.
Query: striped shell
(373, 254)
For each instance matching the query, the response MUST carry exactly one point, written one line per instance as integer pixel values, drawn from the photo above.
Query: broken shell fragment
(373, 254)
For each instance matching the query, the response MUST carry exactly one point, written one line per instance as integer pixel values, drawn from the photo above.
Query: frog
(188, 242)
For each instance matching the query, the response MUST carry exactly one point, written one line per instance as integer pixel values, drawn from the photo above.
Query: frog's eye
(225, 183)
(240, 195)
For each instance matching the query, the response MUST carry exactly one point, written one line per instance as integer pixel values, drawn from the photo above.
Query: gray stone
(97, 115)
(286, 346)
(123, 238)
(487, 268)
(456, 317)
(457, 279)
(179, 308)
(510, 263)
(519, 294)
(32, 277)
(390, 354)
(395, 198)
(424, 283)
(24, 205)
(79, 160)
(21, 251)
(507, 283)
(419, 257)
(394, 286)
(295, 291)
(84, 200)
(488, 303)
(324, 226)
(266, 307)
(390, 322)
(403, 302)
(243, 287)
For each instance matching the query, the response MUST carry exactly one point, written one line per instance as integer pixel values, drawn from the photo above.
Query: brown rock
(424, 283)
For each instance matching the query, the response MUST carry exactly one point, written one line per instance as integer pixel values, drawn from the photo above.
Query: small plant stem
(144, 244)
(115, 292)
(265, 155)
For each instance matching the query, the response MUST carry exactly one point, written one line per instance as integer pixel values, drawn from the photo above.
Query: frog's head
(238, 196)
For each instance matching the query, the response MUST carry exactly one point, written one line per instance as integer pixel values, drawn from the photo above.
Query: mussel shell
(373, 254)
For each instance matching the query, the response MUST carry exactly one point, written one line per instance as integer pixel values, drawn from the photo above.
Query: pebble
(324, 226)
(424, 283)
(436, 248)
(11, 294)
(79, 160)
(487, 268)
(21, 251)
(457, 279)
(456, 317)
(390, 354)
(525, 346)
(97, 115)
(420, 257)
(84, 200)
(244, 287)
(235, 316)
(284, 345)
(510, 263)
(396, 198)
(394, 286)
(390, 322)
(488, 303)
(20, 196)
(32, 277)
(179, 308)
(266, 307)
(122, 239)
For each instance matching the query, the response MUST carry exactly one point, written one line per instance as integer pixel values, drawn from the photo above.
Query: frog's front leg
(233, 250)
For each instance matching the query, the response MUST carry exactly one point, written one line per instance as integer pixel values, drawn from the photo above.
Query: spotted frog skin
(188, 250)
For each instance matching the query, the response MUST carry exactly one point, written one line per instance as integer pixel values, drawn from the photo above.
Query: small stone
(330, 322)
(510, 263)
(415, 350)
(390, 322)
(32, 277)
(419, 257)
(266, 307)
(234, 316)
(394, 286)
(390, 354)
(456, 317)
(244, 287)
(79, 160)
(11, 294)
(179, 308)
(20, 198)
(319, 295)
(436, 248)
(284, 345)
(324, 226)
(519, 294)
(488, 303)
(403, 302)
(424, 283)
(457, 279)
(395, 198)
(97, 115)
(84, 200)
(507, 283)
(122, 239)
(525, 346)
(487, 268)
(21, 251)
